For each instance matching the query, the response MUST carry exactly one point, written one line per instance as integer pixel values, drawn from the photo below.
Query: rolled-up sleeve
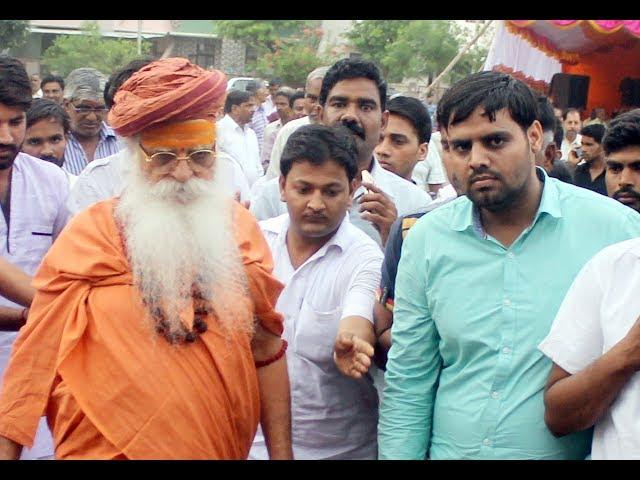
(414, 361)
(361, 293)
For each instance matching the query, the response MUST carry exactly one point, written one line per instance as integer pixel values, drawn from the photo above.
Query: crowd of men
(191, 272)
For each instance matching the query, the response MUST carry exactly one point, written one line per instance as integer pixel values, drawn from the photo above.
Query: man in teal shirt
(479, 283)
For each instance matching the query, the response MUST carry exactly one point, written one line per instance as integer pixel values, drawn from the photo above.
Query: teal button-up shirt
(464, 376)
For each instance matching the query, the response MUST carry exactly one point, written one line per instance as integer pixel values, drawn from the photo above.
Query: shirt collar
(340, 238)
(469, 216)
(106, 131)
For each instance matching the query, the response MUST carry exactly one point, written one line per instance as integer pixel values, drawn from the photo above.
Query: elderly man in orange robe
(152, 334)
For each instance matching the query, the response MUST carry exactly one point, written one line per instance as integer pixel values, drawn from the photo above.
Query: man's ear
(385, 119)
(318, 110)
(352, 189)
(534, 134)
(423, 150)
(281, 181)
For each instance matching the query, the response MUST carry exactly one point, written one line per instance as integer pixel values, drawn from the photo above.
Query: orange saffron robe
(109, 385)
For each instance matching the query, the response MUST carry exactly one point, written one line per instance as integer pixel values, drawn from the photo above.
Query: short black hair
(623, 132)
(236, 97)
(568, 111)
(493, 91)
(558, 134)
(275, 81)
(120, 76)
(546, 117)
(414, 111)
(52, 79)
(294, 97)
(44, 108)
(283, 92)
(318, 144)
(15, 86)
(595, 131)
(349, 68)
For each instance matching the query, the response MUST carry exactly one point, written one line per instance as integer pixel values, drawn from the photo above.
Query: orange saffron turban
(168, 90)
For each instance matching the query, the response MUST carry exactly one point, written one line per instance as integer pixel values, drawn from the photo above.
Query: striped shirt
(258, 124)
(75, 158)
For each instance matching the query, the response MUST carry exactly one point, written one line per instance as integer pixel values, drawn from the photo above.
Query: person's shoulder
(273, 225)
(588, 201)
(41, 170)
(613, 253)
(294, 124)
(398, 185)
(102, 163)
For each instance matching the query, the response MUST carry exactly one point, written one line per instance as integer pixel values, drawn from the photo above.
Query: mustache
(9, 147)
(626, 191)
(483, 171)
(52, 159)
(354, 128)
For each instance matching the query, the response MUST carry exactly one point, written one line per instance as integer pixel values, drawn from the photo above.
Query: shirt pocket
(37, 239)
(315, 333)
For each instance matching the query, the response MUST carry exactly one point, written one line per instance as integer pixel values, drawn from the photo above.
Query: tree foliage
(13, 33)
(372, 38)
(69, 52)
(284, 48)
(266, 36)
(415, 48)
(290, 63)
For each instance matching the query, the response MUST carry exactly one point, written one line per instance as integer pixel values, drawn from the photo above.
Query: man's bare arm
(9, 450)
(11, 319)
(15, 284)
(576, 402)
(353, 347)
(275, 397)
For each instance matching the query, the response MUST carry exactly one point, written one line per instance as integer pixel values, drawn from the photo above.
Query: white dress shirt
(430, 170)
(38, 214)
(601, 306)
(406, 196)
(100, 179)
(333, 416)
(241, 143)
(567, 146)
(273, 171)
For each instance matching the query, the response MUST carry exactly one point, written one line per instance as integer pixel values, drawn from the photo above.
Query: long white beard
(179, 238)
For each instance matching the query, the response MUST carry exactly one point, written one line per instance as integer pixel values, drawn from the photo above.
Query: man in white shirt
(595, 346)
(32, 200)
(236, 139)
(406, 143)
(353, 94)
(330, 270)
(311, 95)
(572, 139)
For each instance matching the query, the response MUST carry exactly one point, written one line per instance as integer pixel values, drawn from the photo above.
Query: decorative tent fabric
(608, 51)
(512, 54)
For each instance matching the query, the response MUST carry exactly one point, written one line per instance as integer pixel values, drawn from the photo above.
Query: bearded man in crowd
(153, 332)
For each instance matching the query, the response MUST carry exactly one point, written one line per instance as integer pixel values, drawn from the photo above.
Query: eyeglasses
(166, 161)
(87, 110)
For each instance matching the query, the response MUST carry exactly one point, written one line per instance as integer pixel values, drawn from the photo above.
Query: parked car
(238, 83)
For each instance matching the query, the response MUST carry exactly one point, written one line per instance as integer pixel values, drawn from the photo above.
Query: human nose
(478, 157)
(5, 135)
(625, 179)
(316, 202)
(382, 149)
(182, 171)
(47, 149)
